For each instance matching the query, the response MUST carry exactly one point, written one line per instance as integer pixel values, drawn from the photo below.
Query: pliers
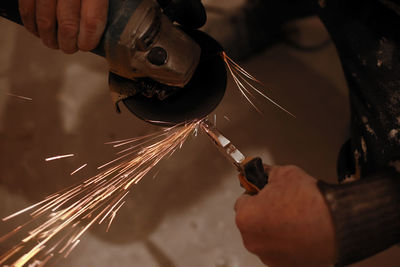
(252, 176)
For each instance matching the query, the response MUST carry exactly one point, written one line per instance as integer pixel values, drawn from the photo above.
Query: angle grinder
(162, 68)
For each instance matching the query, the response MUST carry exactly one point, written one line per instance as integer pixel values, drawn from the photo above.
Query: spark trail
(55, 225)
(248, 85)
(20, 96)
(59, 157)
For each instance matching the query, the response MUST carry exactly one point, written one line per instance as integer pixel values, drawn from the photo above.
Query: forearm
(366, 215)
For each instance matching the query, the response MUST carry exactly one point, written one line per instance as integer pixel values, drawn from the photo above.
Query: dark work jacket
(366, 213)
(367, 36)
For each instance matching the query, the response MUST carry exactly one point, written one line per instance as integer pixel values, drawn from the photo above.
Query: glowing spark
(115, 160)
(114, 213)
(77, 170)
(46, 259)
(26, 209)
(58, 222)
(72, 248)
(242, 88)
(24, 259)
(131, 140)
(244, 81)
(10, 253)
(20, 97)
(156, 174)
(112, 208)
(60, 157)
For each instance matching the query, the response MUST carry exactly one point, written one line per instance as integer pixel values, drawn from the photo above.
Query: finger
(28, 16)
(68, 17)
(46, 22)
(242, 201)
(93, 22)
(267, 168)
(244, 213)
(273, 173)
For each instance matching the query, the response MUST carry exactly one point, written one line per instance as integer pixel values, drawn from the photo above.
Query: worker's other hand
(69, 25)
(288, 223)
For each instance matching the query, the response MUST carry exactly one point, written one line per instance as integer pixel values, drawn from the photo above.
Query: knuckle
(292, 169)
(289, 170)
(44, 24)
(283, 174)
(90, 33)
(92, 25)
(68, 28)
(278, 171)
(241, 221)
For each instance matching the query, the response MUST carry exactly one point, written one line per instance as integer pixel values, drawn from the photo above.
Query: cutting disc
(197, 99)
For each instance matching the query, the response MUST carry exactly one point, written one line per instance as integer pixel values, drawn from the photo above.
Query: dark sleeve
(368, 44)
(366, 215)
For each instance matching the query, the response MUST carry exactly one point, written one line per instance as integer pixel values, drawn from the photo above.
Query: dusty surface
(185, 216)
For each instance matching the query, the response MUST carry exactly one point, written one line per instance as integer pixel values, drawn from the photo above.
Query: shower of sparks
(56, 224)
(77, 170)
(20, 97)
(60, 157)
(248, 84)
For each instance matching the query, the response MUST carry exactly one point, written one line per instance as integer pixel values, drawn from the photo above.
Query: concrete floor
(185, 216)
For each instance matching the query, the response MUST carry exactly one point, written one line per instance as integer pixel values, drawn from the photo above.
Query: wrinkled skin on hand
(69, 25)
(288, 223)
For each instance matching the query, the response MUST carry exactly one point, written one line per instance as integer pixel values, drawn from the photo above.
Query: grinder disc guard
(197, 99)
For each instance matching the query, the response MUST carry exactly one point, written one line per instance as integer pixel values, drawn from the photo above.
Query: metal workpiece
(224, 144)
(252, 175)
(149, 45)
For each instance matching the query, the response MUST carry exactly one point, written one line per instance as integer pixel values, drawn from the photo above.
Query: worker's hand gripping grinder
(163, 72)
